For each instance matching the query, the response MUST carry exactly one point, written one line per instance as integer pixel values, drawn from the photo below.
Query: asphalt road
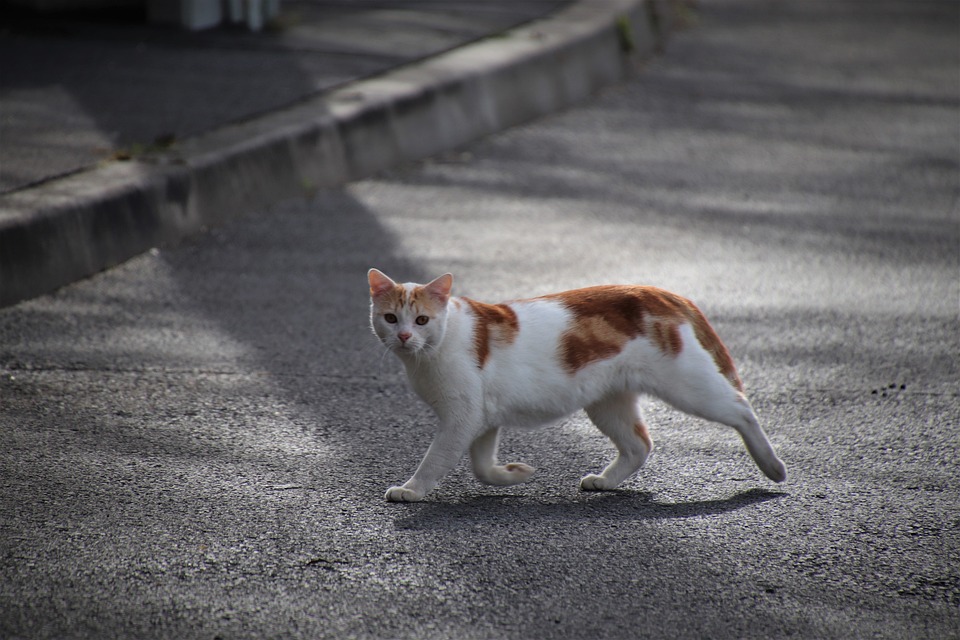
(197, 443)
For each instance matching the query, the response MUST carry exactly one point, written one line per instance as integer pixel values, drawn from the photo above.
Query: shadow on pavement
(615, 505)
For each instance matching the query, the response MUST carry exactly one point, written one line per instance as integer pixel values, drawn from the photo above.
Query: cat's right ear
(379, 283)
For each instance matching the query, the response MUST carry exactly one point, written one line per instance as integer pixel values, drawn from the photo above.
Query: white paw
(595, 483)
(506, 475)
(401, 494)
(518, 471)
(775, 470)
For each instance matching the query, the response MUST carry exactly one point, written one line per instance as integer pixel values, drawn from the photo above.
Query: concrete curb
(70, 228)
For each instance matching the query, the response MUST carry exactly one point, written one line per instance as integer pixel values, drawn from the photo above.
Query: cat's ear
(379, 283)
(440, 288)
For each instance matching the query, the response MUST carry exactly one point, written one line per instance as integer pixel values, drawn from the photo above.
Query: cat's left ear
(440, 288)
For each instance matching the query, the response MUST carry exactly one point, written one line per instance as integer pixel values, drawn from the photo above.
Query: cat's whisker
(383, 357)
(375, 349)
(418, 357)
(428, 350)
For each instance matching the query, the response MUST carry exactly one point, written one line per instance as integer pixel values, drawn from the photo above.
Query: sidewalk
(117, 136)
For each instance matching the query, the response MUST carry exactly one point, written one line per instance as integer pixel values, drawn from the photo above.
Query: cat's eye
(422, 320)
(390, 318)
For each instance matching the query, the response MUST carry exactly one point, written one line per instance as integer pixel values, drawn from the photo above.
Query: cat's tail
(711, 342)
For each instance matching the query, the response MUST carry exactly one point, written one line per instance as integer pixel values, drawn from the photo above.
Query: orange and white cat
(532, 362)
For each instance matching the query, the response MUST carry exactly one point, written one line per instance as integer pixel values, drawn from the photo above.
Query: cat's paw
(775, 469)
(518, 472)
(594, 482)
(402, 494)
(507, 474)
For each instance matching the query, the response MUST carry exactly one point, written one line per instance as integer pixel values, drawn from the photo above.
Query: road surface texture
(85, 87)
(197, 443)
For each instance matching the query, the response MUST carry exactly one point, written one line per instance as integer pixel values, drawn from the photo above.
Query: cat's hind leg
(619, 418)
(734, 410)
(483, 456)
(757, 443)
(695, 386)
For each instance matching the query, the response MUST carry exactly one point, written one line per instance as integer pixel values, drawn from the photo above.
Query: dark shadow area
(248, 399)
(493, 511)
(291, 284)
(274, 304)
(78, 88)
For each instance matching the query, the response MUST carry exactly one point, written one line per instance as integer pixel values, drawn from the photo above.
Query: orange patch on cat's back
(493, 325)
(592, 338)
(666, 335)
(605, 318)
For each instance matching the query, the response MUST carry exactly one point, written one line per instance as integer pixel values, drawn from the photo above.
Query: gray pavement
(81, 89)
(189, 131)
(198, 442)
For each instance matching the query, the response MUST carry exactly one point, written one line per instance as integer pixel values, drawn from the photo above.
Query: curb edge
(71, 228)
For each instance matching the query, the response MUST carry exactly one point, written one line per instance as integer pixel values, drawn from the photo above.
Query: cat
(532, 362)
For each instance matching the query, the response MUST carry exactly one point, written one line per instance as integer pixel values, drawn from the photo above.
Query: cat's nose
(404, 336)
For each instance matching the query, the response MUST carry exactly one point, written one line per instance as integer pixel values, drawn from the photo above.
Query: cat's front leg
(450, 444)
(403, 494)
(483, 454)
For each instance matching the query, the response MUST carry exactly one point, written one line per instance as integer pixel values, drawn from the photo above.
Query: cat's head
(409, 318)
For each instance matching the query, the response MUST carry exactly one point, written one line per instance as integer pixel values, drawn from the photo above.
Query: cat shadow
(494, 510)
